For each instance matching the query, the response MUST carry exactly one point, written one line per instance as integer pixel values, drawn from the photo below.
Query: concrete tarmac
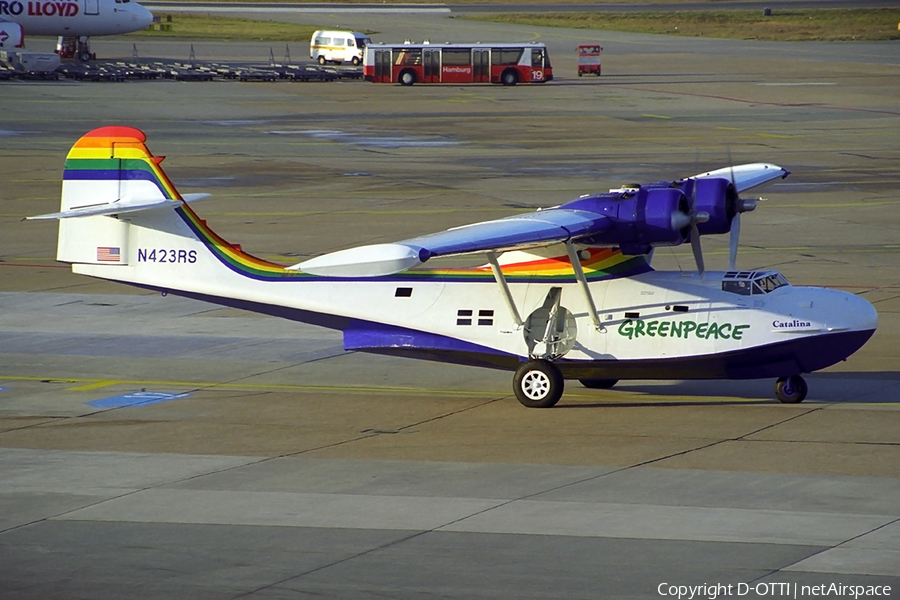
(156, 447)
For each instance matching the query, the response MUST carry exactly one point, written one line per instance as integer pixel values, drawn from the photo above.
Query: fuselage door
(92, 7)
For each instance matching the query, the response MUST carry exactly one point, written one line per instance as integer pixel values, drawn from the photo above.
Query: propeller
(691, 219)
(738, 206)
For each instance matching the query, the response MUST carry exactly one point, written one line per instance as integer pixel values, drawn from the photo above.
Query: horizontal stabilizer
(119, 207)
(747, 177)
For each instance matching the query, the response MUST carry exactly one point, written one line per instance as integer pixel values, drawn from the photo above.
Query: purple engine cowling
(643, 218)
(718, 198)
(655, 214)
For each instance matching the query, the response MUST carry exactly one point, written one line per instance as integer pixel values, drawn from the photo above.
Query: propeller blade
(695, 246)
(733, 241)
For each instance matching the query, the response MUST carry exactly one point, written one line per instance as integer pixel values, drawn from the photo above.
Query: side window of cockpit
(768, 284)
(742, 288)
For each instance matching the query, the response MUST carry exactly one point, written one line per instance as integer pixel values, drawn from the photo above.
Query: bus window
(362, 42)
(537, 58)
(412, 56)
(350, 43)
(504, 56)
(456, 57)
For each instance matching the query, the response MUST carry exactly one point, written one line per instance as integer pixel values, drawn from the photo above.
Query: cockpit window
(741, 288)
(768, 284)
(751, 283)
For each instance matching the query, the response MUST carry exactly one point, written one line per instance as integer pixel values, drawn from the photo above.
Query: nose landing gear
(791, 390)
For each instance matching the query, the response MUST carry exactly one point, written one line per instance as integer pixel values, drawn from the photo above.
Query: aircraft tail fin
(109, 171)
(121, 218)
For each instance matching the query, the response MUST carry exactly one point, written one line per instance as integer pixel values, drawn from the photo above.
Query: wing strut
(504, 288)
(582, 283)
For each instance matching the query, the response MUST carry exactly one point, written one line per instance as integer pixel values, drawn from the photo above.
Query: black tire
(85, 57)
(355, 61)
(598, 384)
(322, 60)
(509, 77)
(407, 77)
(538, 384)
(791, 390)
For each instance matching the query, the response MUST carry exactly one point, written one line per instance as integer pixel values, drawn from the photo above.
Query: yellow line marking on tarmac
(94, 386)
(90, 384)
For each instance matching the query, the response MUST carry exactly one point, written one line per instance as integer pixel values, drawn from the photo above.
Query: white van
(338, 46)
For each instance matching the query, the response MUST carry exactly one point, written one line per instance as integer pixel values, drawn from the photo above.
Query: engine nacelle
(11, 35)
(718, 198)
(642, 217)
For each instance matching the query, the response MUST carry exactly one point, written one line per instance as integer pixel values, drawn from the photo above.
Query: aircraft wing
(634, 219)
(747, 177)
(530, 230)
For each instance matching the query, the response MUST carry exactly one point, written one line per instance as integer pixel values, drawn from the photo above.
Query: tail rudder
(121, 218)
(108, 171)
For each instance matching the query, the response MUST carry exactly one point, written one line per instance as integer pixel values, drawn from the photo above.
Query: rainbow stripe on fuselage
(116, 153)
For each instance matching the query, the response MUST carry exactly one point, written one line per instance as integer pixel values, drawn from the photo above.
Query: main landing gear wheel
(538, 384)
(598, 384)
(791, 390)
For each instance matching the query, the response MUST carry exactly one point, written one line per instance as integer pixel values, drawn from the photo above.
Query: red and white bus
(407, 64)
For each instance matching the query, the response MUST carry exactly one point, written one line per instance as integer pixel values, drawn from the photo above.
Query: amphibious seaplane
(74, 21)
(566, 292)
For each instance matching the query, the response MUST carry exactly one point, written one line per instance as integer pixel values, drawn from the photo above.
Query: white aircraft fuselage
(654, 325)
(76, 18)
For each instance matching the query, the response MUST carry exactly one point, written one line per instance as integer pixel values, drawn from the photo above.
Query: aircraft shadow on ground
(838, 388)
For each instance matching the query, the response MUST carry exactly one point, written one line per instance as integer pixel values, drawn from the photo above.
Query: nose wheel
(538, 384)
(791, 390)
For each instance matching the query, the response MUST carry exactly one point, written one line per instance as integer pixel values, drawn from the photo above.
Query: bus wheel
(509, 77)
(322, 60)
(355, 61)
(407, 77)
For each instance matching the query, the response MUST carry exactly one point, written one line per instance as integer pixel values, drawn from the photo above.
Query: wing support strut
(582, 283)
(504, 288)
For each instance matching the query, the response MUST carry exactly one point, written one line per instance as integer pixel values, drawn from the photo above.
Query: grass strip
(782, 25)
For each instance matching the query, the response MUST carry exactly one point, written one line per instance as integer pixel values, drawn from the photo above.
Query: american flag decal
(107, 254)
